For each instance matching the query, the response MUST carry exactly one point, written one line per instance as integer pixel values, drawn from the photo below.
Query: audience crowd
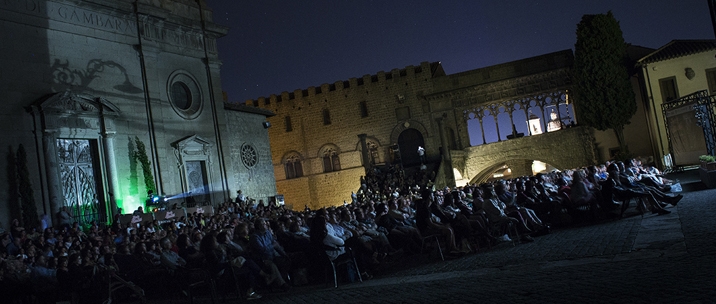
(249, 248)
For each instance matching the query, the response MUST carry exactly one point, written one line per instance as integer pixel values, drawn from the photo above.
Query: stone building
(85, 82)
(324, 138)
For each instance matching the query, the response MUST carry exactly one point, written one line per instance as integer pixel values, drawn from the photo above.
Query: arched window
(331, 161)
(293, 166)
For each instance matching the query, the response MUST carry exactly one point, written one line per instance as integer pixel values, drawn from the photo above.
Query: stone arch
(330, 155)
(408, 124)
(292, 164)
(484, 175)
(291, 154)
(567, 149)
(326, 147)
(408, 142)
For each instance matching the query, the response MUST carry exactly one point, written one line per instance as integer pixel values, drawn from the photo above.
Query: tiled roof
(678, 48)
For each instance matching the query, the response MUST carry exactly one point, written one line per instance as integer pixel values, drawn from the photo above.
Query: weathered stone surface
(84, 52)
(387, 105)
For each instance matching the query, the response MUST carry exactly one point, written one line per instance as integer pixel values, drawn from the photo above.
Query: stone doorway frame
(69, 115)
(195, 148)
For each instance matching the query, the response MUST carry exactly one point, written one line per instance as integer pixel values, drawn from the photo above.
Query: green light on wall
(131, 203)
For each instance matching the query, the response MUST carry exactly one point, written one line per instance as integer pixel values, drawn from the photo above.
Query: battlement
(380, 78)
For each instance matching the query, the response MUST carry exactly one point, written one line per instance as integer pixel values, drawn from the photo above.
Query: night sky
(276, 46)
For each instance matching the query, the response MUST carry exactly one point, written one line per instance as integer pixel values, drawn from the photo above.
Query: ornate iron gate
(77, 174)
(704, 115)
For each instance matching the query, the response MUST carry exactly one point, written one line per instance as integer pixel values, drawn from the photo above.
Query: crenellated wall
(380, 105)
(387, 105)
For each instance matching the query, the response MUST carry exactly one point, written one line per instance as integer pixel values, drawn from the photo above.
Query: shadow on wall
(65, 78)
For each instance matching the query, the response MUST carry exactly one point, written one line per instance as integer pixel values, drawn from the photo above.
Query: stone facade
(562, 149)
(404, 108)
(321, 120)
(100, 77)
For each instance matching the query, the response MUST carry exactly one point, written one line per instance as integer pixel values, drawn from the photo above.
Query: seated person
(400, 235)
(618, 187)
(495, 212)
(581, 195)
(526, 215)
(324, 238)
(268, 253)
(428, 224)
(631, 179)
(219, 264)
(170, 259)
(188, 251)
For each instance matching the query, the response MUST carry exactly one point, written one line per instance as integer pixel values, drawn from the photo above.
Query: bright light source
(534, 124)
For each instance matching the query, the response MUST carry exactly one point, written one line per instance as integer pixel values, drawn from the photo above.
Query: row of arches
(405, 152)
(527, 116)
(293, 161)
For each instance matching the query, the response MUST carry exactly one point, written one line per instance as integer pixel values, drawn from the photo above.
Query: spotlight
(266, 124)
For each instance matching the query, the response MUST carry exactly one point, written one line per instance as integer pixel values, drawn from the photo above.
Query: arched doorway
(408, 141)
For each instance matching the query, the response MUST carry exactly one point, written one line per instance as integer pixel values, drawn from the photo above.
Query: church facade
(107, 97)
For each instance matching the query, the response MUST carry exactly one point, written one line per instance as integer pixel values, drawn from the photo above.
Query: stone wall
(385, 105)
(392, 102)
(565, 149)
(101, 71)
(257, 180)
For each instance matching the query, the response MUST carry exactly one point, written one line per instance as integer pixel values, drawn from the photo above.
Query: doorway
(408, 141)
(197, 181)
(77, 161)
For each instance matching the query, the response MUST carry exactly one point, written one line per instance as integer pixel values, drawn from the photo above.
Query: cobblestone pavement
(654, 259)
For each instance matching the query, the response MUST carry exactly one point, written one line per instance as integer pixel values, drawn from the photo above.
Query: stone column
(54, 188)
(111, 167)
(497, 125)
(364, 152)
(446, 160)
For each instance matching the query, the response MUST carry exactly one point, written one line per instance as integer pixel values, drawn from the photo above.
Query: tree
(603, 93)
(146, 165)
(27, 195)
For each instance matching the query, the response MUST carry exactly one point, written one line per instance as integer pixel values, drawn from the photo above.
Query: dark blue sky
(276, 46)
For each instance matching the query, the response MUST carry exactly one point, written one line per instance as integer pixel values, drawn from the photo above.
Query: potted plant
(707, 172)
(708, 162)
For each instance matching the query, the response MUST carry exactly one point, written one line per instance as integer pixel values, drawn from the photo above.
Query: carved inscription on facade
(177, 37)
(71, 14)
(92, 19)
(24, 6)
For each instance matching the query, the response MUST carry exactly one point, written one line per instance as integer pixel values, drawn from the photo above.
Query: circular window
(249, 156)
(181, 96)
(184, 94)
